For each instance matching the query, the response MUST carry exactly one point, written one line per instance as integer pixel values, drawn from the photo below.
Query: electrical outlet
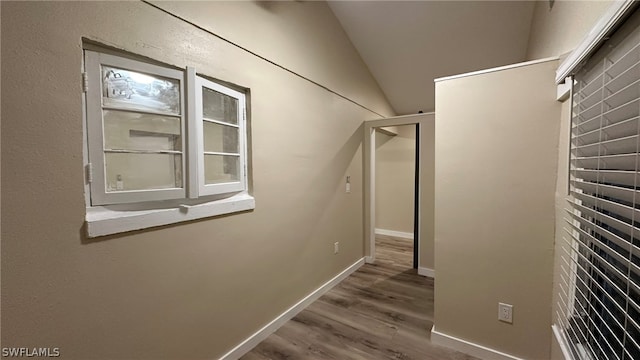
(336, 247)
(505, 313)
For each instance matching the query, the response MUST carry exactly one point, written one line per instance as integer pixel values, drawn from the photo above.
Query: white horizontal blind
(600, 287)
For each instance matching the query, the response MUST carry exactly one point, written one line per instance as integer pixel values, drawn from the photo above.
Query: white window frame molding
(95, 129)
(191, 203)
(221, 188)
(101, 221)
(610, 20)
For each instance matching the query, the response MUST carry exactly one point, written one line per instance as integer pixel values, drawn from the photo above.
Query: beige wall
(496, 160)
(395, 179)
(558, 30)
(191, 290)
(308, 40)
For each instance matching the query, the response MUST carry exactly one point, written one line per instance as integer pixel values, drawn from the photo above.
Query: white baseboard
(369, 259)
(561, 342)
(253, 340)
(426, 272)
(399, 234)
(467, 347)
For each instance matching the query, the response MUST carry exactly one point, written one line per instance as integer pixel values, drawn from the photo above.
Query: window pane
(220, 107)
(220, 138)
(134, 90)
(142, 171)
(134, 131)
(221, 169)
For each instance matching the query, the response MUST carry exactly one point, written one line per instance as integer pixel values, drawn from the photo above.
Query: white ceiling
(407, 44)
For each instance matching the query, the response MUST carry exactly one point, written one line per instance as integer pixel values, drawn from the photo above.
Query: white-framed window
(163, 141)
(219, 121)
(136, 127)
(599, 301)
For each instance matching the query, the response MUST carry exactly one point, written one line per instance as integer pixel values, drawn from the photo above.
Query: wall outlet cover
(505, 312)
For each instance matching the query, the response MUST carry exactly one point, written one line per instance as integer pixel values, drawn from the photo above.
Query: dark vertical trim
(416, 200)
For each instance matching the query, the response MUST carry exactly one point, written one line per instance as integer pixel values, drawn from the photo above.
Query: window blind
(599, 298)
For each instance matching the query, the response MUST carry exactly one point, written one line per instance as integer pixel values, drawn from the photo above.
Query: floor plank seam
(384, 310)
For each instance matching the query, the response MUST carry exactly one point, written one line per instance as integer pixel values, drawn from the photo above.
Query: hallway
(382, 311)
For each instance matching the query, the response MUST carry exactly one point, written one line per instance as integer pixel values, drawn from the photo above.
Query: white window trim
(115, 219)
(94, 61)
(102, 221)
(221, 188)
(613, 17)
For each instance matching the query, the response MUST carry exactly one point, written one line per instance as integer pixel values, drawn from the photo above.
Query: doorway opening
(396, 180)
(423, 211)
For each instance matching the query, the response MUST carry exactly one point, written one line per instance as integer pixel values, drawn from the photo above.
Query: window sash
(95, 130)
(197, 126)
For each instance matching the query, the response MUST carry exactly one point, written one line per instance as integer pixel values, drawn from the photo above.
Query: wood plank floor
(382, 311)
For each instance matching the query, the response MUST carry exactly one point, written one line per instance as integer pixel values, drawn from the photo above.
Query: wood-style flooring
(381, 311)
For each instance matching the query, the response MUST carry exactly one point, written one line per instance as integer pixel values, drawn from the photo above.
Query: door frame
(369, 177)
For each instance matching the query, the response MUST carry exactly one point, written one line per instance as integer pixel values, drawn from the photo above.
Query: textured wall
(559, 30)
(306, 38)
(496, 160)
(192, 290)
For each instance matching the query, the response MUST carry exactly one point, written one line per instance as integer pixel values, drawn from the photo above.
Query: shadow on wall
(85, 240)
(382, 139)
(334, 170)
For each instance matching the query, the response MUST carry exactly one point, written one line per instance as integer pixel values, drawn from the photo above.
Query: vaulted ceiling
(407, 44)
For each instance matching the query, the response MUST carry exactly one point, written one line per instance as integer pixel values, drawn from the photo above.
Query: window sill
(102, 221)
